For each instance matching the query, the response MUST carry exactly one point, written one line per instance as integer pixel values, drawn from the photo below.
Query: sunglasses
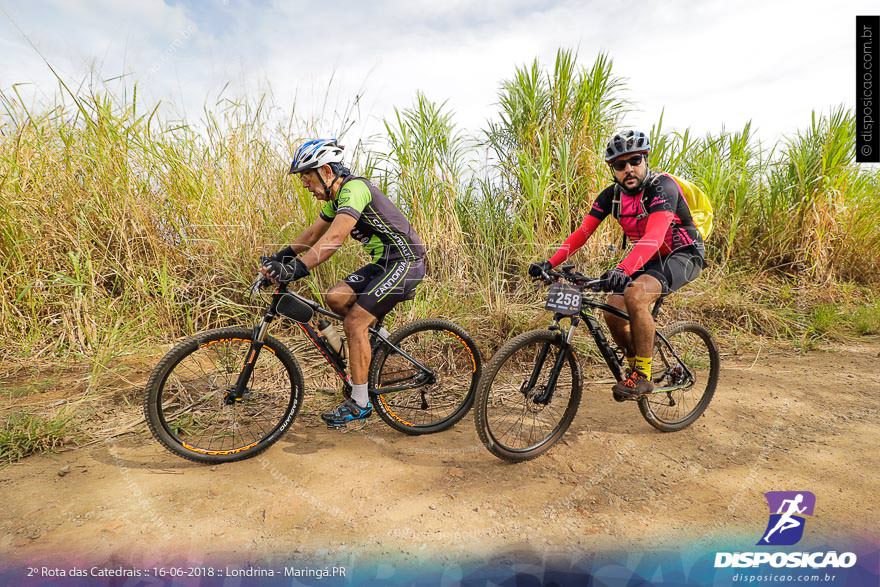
(620, 165)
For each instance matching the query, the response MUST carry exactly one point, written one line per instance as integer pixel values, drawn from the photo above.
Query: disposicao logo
(785, 528)
(787, 511)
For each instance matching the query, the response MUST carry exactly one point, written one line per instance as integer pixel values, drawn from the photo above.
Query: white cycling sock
(360, 395)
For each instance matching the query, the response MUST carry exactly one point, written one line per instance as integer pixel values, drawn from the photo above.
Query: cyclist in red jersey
(668, 251)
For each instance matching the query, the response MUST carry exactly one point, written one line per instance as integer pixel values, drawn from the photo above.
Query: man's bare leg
(340, 298)
(357, 323)
(620, 330)
(639, 297)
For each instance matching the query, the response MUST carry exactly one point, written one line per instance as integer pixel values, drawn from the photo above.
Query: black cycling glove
(615, 280)
(285, 272)
(285, 255)
(538, 269)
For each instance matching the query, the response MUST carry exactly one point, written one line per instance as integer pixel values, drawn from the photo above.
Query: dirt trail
(779, 423)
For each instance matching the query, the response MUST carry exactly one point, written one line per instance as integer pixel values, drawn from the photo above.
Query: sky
(707, 65)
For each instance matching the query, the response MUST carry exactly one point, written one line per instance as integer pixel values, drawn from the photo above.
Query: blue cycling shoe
(347, 411)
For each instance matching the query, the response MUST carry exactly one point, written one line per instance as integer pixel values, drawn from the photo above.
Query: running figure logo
(786, 524)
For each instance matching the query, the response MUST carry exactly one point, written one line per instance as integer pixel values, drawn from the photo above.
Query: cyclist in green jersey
(352, 206)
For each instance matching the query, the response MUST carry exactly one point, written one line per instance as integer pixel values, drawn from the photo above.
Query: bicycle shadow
(306, 437)
(129, 453)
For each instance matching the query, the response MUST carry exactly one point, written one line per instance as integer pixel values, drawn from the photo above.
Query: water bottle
(331, 335)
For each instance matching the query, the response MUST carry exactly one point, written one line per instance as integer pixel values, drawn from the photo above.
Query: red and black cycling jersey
(660, 193)
(657, 219)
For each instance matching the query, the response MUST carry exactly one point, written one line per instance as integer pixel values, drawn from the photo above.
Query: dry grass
(120, 231)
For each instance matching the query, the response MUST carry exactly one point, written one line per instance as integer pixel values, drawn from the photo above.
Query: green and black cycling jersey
(381, 228)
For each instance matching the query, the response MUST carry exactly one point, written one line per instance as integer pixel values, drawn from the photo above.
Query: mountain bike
(228, 394)
(532, 386)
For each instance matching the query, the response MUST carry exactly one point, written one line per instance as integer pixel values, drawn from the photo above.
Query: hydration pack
(698, 203)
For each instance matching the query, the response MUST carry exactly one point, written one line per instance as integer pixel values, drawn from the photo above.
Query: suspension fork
(526, 387)
(237, 393)
(565, 349)
(257, 342)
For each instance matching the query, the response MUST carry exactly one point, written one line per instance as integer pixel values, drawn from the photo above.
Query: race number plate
(564, 299)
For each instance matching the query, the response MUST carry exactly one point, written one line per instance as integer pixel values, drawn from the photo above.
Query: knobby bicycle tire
(168, 433)
(495, 366)
(455, 388)
(651, 405)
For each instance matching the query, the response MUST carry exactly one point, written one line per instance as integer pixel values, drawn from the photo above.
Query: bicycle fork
(237, 393)
(545, 395)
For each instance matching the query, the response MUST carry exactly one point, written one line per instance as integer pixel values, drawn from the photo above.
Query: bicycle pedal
(336, 426)
(619, 397)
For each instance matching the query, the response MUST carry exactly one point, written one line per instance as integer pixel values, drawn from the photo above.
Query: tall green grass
(803, 208)
(426, 169)
(120, 229)
(548, 140)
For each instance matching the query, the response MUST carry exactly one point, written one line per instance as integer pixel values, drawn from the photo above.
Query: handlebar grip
(260, 283)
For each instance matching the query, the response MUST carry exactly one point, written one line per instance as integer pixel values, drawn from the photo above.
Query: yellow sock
(643, 365)
(631, 361)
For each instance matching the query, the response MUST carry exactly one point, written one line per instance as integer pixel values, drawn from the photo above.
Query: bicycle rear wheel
(186, 407)
(425, 404)
(685, 374)
(510, 423)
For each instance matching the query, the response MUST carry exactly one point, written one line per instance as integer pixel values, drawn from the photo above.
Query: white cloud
(707, 64)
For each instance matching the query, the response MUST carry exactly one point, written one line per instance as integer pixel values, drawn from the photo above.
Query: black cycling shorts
(675, 270)
(380, 287)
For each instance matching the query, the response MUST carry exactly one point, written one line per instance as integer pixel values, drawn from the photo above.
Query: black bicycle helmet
(625, 142)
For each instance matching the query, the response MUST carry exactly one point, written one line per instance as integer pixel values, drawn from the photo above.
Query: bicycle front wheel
(422, 401)
(685, 373)
(513, 419)
(186, 402)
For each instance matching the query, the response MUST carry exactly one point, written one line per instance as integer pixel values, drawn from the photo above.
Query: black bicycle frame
(605, 349)
(330, 355)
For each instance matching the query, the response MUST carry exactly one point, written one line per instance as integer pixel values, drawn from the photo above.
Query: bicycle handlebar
(261, 281)
(578, 279)
(259, 284)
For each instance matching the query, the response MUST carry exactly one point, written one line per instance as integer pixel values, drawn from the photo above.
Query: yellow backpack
(699, 204)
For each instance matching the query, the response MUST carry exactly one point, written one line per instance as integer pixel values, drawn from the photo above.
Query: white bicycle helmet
(315, 153)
